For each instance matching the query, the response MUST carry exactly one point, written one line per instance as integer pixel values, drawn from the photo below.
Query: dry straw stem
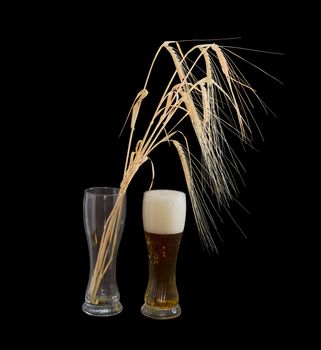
(207, 89)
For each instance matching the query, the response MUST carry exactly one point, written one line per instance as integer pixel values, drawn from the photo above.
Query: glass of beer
(164, 213)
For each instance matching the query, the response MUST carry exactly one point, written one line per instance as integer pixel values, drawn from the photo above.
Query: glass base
(104, 310)
(161, 314)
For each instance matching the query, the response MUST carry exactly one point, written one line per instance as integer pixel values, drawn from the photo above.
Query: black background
(97, 61)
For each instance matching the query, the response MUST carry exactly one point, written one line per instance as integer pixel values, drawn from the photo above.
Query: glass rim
(165, 190)
(91, 190)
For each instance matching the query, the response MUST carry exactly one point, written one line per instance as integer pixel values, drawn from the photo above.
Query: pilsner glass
(98, 204)
(164, 213)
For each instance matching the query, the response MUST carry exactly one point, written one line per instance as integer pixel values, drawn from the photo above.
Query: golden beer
(164, 213)
(162, 253)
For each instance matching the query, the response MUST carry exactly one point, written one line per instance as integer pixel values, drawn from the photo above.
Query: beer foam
(164, 211)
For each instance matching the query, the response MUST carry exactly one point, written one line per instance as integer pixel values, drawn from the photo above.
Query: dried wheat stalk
(199, 99)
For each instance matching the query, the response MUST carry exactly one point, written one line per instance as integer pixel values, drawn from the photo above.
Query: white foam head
(164, 211)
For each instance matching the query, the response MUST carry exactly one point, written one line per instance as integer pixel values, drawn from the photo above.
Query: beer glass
(98, 204)
(164, 213)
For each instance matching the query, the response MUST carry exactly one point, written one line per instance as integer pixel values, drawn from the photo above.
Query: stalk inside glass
(164, 214)
(98, 204)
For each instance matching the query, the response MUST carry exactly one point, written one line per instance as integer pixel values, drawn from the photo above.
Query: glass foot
(104, 310)
(161, 314)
